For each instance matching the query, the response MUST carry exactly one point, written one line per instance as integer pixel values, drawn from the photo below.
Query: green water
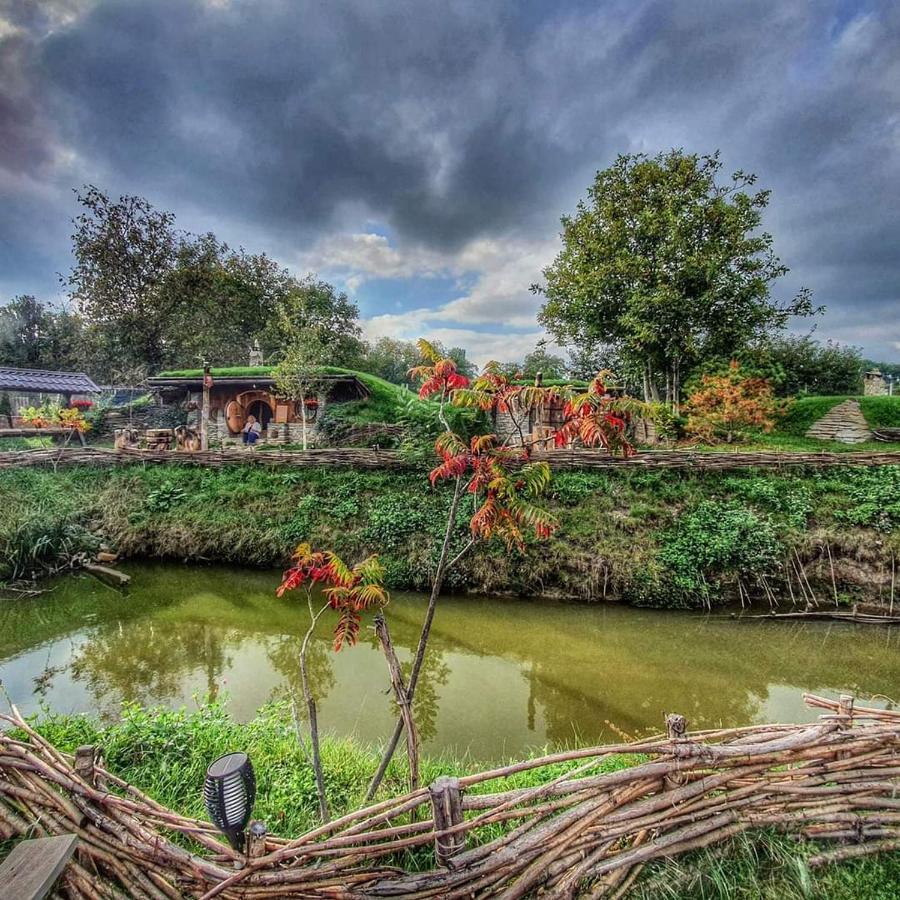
(503, 676)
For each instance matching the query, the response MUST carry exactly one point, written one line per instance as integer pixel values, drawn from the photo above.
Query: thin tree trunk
(412, 736)
(423, 639)
(303, 418)
(313, 719)
(654, 392)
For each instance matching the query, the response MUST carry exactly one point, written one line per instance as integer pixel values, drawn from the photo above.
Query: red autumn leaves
(349, 591)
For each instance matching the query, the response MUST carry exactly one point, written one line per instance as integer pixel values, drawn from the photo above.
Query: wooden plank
(33, 867)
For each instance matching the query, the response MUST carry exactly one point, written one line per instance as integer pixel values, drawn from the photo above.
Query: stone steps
(844, 423)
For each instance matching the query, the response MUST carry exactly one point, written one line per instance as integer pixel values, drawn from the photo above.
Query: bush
(875, 495)
(716, 540)
(726, 406)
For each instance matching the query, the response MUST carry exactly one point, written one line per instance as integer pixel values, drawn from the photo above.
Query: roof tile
(45, 381)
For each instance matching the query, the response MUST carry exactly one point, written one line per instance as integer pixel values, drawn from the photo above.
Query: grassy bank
(652, 538)
(165, 754)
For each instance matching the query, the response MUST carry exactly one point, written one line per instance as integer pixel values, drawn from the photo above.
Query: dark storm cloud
(450, 121)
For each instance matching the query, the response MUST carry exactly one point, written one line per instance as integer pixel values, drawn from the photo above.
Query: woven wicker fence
(390, 459)
(584, 833)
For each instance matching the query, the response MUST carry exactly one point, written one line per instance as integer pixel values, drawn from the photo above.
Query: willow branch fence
(560, 460)
(584, 833)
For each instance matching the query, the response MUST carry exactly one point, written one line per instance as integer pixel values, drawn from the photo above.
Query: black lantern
(229, 793)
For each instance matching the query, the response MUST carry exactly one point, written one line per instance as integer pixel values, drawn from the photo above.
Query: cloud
(464, 130)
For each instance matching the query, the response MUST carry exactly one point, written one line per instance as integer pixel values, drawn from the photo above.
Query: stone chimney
(874, 384)
(539, 379)
(256, 357)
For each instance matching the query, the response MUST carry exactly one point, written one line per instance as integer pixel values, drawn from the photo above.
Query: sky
(419, 154)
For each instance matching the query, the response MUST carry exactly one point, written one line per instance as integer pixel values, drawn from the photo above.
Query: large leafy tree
(391, 359)
(223, 299)
(314, 307)
(151, 296)
(124, 249)
(35, 336)
(666, 265)
(540, 360)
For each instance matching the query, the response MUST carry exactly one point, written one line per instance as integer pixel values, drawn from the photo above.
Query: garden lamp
(229, 792)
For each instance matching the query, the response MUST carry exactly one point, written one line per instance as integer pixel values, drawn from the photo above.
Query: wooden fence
(583, 833)
(559, 460)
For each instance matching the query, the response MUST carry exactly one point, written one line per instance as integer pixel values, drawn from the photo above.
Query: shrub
(875, 495)
(726, 406)
(715, 541)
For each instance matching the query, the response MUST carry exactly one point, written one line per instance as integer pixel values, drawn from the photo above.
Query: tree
(551, 367)
(23, 333)
(808, 366)
(349, 592)
(311, 306)
(123, 252)
(35, 336)
(502, 482)
(725, 406)
(222, 299)
(390, 359)
(299, 372)
(666, 266)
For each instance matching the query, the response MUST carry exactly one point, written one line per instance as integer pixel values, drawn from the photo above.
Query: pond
(503, 676)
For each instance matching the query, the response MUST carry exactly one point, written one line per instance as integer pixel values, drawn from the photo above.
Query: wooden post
(446, 805)
(676, 728)
(846, 723)
(256, 839)
(204, 410)
(85, 760)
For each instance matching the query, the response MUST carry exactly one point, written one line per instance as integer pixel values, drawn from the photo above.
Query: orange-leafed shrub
(725, 407)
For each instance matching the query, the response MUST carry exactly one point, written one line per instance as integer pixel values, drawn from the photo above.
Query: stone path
(844, 422)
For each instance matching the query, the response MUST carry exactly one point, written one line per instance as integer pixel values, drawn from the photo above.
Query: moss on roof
(224, 372)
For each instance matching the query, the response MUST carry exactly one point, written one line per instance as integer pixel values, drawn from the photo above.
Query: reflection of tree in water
(148, 664)
(434, 674)
(576, 708)
(284, 654)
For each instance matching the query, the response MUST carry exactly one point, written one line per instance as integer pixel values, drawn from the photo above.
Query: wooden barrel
(234, 416)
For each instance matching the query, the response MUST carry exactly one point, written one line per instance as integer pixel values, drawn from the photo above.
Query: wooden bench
(33, 867)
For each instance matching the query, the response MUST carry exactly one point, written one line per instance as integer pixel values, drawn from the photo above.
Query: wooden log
(107, 574)
(823, 615)
(446, 805)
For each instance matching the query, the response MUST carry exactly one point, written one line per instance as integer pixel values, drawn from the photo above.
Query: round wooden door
(234, 416)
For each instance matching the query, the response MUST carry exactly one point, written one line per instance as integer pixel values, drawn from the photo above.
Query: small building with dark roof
(32, 387)
(239, 392)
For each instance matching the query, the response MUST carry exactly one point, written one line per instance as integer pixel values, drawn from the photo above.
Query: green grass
(222, 372)
(768, 866)
(881, 412)
(629, 535)
(804, 412)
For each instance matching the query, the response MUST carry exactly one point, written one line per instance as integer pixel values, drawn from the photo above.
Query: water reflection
(501, 676)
